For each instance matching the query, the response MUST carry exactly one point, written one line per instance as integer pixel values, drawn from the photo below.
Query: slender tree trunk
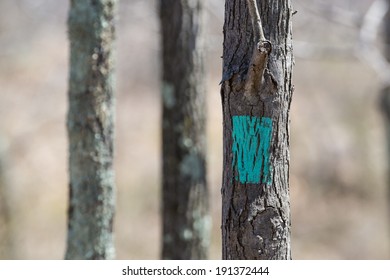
(90, 130)
(184, 190)
(385, 94)
(385, 102)
(256, 94)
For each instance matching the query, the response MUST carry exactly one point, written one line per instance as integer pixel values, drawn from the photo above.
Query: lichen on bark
(185, 220)
(90, 124)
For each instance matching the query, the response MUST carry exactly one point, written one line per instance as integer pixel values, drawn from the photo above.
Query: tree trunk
(256, 103)
(385, 94)
(184, 190)
(90, 130)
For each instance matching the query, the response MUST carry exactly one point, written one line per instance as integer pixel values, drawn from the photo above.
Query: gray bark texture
(90, 126)
(185, 216)
(256, 93)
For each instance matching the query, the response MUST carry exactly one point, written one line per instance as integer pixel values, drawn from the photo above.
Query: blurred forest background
(339, 153)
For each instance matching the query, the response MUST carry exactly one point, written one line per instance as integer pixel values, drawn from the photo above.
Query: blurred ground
(338, 147)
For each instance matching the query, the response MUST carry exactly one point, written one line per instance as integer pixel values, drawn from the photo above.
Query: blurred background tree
(385, 92)
(90, 126)
(338, 145)
(6, 234)
(185, 201)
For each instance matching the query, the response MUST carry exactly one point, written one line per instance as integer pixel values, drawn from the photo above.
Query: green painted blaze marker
(251, 143)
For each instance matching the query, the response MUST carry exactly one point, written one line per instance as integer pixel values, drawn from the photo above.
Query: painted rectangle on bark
(251, 142)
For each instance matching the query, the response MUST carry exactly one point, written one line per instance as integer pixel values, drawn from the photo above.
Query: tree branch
(260, 54)
(256, 20)
(332, 13)
(367, 50)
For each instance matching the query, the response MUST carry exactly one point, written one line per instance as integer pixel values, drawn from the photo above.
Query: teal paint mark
(251, 143)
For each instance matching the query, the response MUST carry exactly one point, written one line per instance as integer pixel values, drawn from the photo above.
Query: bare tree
(256, 94)
(184, 190)
(90, 130)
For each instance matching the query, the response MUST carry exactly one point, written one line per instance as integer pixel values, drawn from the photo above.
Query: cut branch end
(264, 46)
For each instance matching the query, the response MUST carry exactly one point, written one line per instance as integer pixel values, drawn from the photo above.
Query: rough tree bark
(184, 190)
(256, 94)
(90, 126)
